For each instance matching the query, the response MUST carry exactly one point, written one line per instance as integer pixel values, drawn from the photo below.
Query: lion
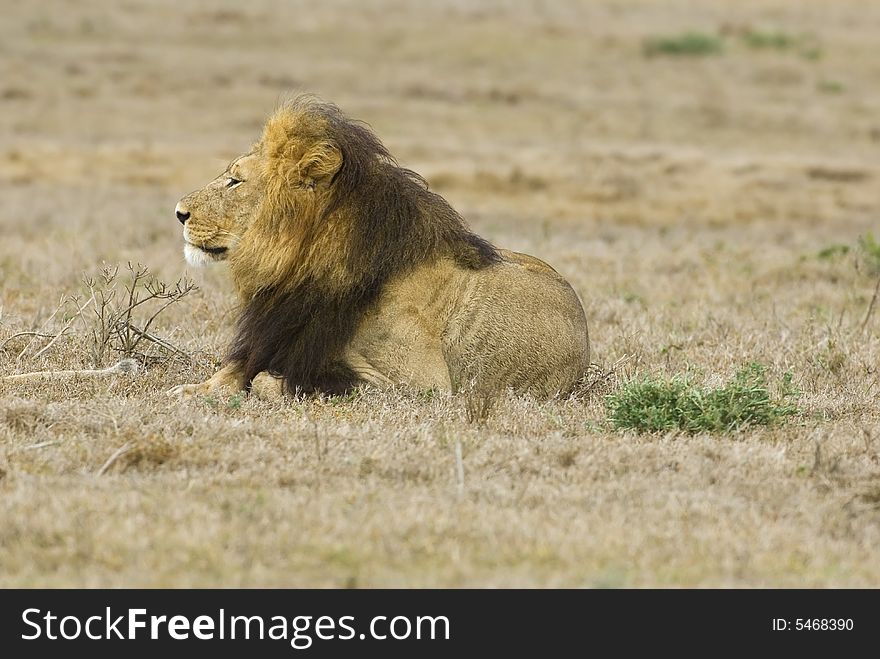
(350, 271)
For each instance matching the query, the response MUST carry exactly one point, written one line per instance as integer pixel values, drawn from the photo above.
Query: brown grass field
(707, 209)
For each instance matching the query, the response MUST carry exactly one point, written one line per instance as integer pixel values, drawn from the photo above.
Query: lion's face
(215, 217)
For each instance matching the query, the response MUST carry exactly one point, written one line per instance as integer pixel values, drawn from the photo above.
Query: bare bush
(121, 322)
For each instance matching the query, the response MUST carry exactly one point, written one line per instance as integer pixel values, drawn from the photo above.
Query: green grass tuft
(812, 52)
(689, 44)
(833, 251)
(869, 249)
(768, 40)
(830, 87)
(651, 404)
(805, 45)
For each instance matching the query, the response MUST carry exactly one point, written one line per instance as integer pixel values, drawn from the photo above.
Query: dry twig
(118, 453)
(127, 365)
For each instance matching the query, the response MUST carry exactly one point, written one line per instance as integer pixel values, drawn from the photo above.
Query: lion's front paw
(268, 387)
(225, 382)
(187, 390)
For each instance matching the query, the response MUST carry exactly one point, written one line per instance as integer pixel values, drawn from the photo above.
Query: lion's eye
(232, 182)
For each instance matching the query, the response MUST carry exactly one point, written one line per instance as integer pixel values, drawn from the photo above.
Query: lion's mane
(314, 261)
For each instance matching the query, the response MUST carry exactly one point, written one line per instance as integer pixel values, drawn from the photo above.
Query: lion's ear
(319, 163)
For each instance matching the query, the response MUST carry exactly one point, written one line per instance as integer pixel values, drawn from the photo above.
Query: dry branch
(118, 453)
(65, 328)
(18, 335)
(123, 366)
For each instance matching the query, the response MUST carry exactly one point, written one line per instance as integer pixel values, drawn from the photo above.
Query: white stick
(126, 365)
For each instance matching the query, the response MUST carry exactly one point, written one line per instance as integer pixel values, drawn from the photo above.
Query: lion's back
(520, 325)
(515, 324)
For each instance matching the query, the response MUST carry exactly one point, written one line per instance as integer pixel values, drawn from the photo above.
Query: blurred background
(630, 142)
(691, 167)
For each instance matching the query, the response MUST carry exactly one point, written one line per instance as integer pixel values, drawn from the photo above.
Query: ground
(707, 207)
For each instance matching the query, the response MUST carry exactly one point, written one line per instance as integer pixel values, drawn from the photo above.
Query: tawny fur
(349, 270)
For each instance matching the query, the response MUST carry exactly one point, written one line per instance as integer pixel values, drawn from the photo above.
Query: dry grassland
(707, 209)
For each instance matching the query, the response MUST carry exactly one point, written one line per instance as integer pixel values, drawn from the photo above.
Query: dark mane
(298, 329)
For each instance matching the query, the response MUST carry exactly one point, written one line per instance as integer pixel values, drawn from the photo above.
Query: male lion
(350, 271)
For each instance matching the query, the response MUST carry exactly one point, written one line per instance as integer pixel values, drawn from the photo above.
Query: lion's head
(313, 221)
(216, 217)
(287, 173)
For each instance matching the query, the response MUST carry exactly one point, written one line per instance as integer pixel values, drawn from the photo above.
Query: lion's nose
(182, 214)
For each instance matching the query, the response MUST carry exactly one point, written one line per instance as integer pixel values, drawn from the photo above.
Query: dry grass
(698, 205)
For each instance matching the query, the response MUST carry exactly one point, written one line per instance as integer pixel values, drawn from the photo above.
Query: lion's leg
(266, 386)
(366, 371)
(227, 381)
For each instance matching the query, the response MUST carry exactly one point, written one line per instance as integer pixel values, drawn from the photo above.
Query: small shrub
(120, 323)
(830, 87)
(811, 52)
(869, 251)
(768, 40)
(833, 251)
(805, 45)
(117, 315)
(689, 44)
(651, 404)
